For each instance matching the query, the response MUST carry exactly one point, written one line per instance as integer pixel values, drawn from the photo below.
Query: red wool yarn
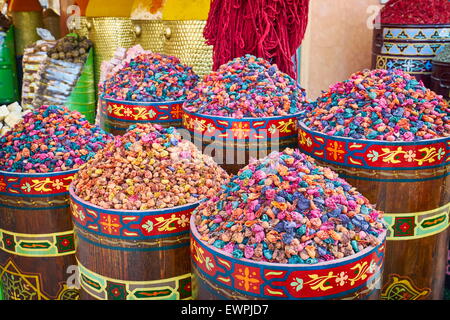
(416, 12)
(269, 29)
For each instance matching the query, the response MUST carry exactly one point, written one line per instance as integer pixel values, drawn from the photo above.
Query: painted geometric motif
(104, 288)
(37, 245)
(18, 285)
(416, 225)
(402, 288)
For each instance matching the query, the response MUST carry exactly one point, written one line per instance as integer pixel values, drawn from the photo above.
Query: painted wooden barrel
(217, 275)
(409, 181)
(132, 255)
(116, 115)
(8, 72)
(36, 236)
(232, 142)
(410, 48)
(440, 79)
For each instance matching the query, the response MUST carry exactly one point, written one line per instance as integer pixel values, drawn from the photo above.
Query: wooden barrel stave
(140, 254)
(217, 276)
(415, 199)
(37, 240)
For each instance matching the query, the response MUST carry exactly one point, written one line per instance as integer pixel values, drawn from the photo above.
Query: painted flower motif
(128, 112)
(297, 284)
(373, 155)
(340, 280)
(183, 220)
(272, 129)
(410, 156)
(372, 267)
(148, 226)
(440, 153)
(58, 184)
(80, 214)
(26, 187)
(210, 128)
(151, 113)
(209, 265)
(308, 141)
(199, 125)
(110, 109)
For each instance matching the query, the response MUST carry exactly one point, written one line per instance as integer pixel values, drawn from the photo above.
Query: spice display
(285, 209)
(50, 139)
(9, 116)
(151, 77)
(414, 12)
(246, 87)
(380, 105)
(149, 167)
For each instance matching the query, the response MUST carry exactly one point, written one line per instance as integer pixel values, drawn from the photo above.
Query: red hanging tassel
(270, 29)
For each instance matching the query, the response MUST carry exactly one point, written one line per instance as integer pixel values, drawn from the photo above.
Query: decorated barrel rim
(37, 246)
(118, 115)
(218, 275)
(369, 154)
(253, 137)
(20, 183)
(409, 182)
(410, 48)
(150, 249)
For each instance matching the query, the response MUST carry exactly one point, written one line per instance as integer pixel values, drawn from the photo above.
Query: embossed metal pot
(410, 48)
(409, 181)
(217, 275)
(132, 255)
(232, 142)
(36, 236)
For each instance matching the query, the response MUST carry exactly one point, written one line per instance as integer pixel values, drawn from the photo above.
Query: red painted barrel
(36, 236)
(217, 275)
(132, 255)
(232, 142)
(410, 182)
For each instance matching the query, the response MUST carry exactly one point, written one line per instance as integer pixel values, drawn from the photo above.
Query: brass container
(25, 24)
(183, 39)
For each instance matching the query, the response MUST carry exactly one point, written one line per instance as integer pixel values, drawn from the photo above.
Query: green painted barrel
(8, 74)
(82, 98)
